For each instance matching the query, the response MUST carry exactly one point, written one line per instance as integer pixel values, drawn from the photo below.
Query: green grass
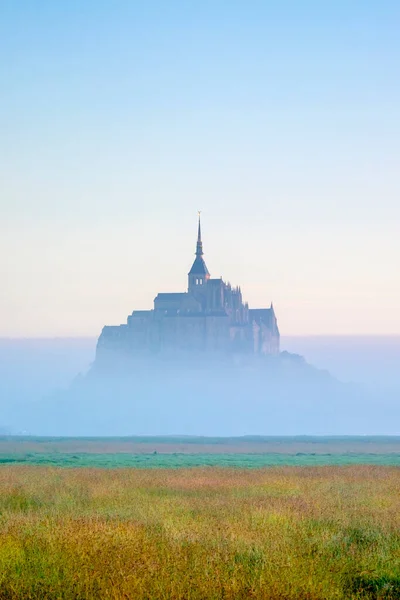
(186, 451)
(181, 460)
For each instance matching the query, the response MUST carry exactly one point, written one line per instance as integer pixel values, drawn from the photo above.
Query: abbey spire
(198, 274)
(199, 247)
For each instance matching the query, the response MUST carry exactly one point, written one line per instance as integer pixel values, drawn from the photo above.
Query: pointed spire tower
(199, 247)
(198, 274)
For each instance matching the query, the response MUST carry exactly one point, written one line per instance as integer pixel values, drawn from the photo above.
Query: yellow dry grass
(288, 533)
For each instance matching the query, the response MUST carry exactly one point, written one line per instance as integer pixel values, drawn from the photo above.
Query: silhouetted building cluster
(210, 318)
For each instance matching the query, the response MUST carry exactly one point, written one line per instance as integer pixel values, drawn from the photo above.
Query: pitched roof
(199, 267)
(216, 282)
(171, 296)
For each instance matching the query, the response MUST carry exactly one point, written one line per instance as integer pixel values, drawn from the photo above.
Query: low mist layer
(42, 395)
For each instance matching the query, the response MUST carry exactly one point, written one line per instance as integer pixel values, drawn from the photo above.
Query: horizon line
(286, 335)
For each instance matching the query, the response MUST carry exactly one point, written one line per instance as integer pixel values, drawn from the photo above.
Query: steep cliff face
(177, 330)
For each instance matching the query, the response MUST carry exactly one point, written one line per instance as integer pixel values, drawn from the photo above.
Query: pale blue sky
(119, 120)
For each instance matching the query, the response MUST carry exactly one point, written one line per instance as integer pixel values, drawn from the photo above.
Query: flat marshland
(186, 451)
(203, 533)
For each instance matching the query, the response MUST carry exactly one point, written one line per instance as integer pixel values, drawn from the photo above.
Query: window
(197, 282)
(201, 282)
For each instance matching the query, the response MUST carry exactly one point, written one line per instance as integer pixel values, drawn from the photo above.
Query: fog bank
(41, 395)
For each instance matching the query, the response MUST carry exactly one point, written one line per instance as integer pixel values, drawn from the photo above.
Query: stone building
(209, 319)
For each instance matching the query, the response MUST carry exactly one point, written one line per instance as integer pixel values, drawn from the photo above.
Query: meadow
(187, 451)
(200, 533)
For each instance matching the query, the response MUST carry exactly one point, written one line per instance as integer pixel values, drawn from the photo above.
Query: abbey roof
(199, 267)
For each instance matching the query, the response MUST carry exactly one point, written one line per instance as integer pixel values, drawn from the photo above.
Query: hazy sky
(120, 119)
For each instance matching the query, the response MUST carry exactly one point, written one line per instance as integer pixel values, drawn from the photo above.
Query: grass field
(181, 452)
(280, 533)
(186, 460)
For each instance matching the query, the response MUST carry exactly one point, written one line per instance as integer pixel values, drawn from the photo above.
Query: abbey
(209, 319)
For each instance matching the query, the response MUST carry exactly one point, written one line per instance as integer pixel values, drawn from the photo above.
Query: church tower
(198, 274)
